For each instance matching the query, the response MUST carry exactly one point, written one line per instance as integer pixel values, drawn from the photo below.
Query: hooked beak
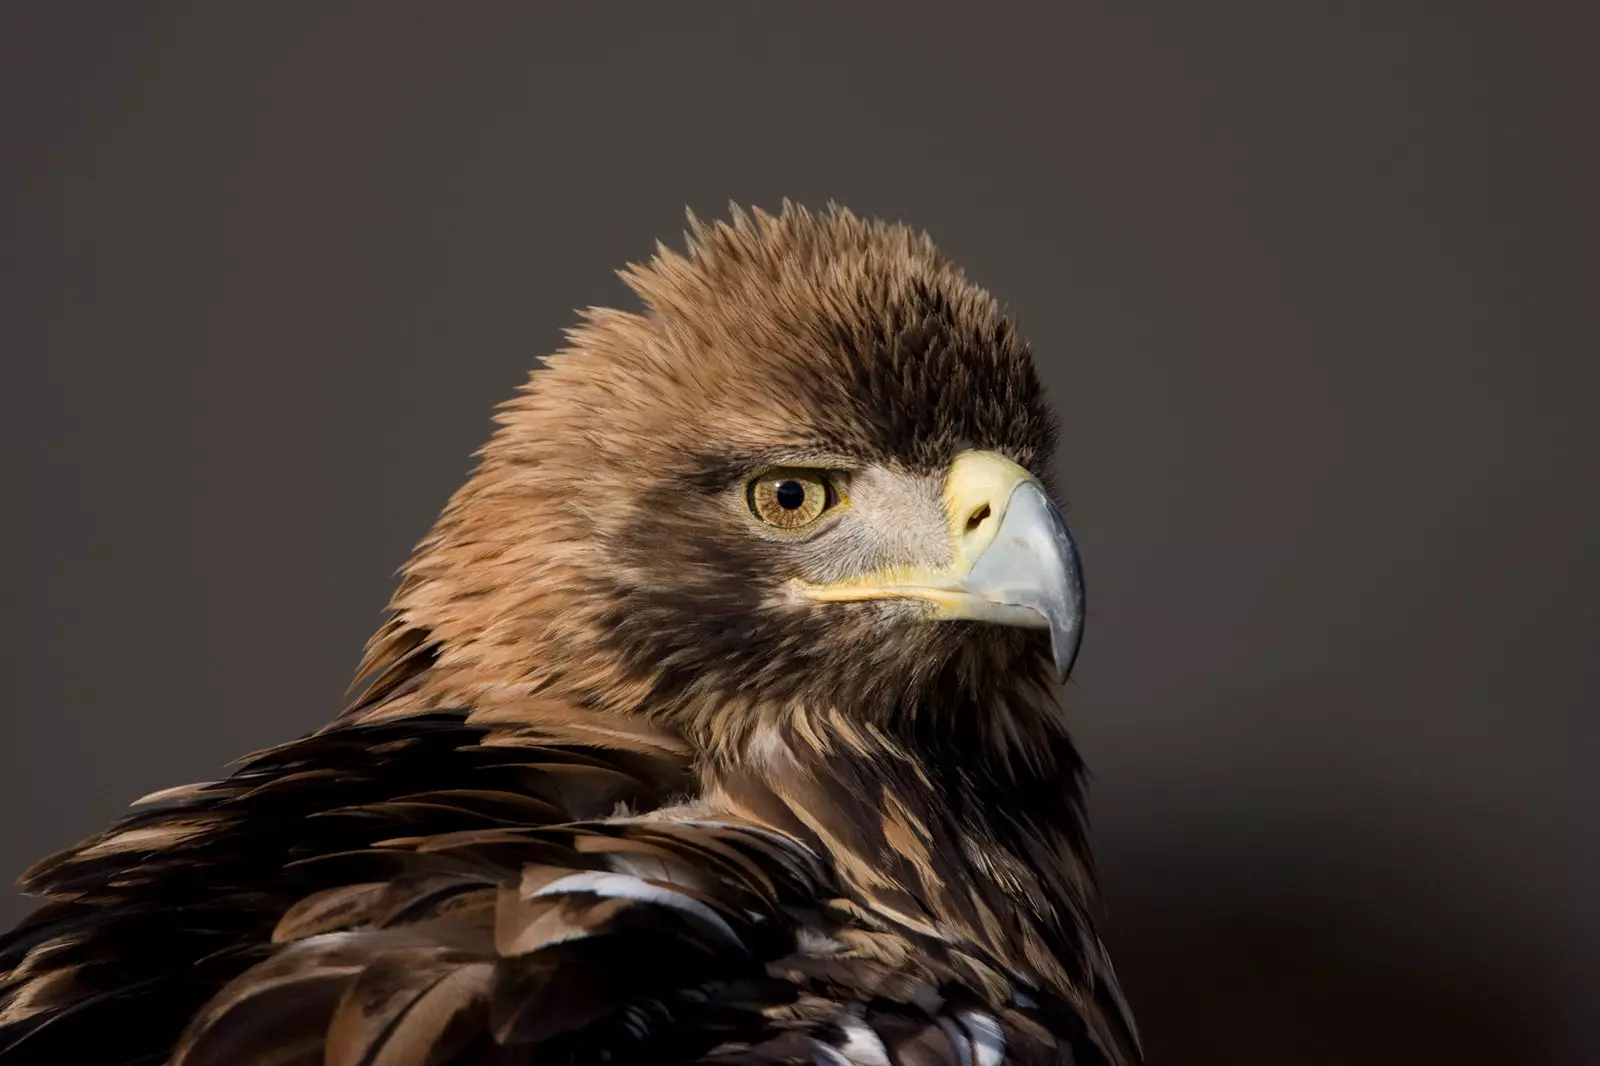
(1013, 560)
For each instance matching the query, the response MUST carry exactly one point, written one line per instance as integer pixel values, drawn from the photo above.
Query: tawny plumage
(716, 720)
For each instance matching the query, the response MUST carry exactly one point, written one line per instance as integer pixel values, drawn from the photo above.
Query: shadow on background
(1289, 884)
(1261, 980)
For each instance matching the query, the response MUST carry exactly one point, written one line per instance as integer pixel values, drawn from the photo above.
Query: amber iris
(791, 499)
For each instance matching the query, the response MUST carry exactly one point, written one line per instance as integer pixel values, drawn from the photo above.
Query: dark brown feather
(148, 922)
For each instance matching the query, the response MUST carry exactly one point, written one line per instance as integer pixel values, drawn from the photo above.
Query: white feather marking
(336, 939)
(768, 747)
(622, 886)
(959, 1039)
(862, 1045)
(823, 1055)
(812, 942)
(648, 867)
(988, 1041)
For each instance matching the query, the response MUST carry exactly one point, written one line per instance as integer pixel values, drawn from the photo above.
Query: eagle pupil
(790, 494)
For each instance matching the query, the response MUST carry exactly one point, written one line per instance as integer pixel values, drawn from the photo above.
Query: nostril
(977, 518)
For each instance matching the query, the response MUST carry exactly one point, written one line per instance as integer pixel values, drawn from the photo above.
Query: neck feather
(937, 831)
(964, 823)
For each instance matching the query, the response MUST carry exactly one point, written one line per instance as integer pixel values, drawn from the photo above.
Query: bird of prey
(716, 720)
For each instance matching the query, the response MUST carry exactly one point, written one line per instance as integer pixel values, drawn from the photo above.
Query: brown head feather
(594, 557)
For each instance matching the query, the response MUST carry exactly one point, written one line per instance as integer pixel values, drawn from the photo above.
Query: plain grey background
(1314, 286)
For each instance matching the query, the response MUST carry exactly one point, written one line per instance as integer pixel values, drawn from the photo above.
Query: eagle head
(813, 469)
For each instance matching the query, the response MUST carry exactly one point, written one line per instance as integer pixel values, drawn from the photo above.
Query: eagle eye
(791, 498)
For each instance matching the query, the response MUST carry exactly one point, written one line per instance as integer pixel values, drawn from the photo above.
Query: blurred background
(1314, 286)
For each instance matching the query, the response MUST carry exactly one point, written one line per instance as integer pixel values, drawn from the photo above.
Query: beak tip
(1064, 650)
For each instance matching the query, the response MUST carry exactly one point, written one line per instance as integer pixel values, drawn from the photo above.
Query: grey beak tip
(1064, 650)
(1066, 635)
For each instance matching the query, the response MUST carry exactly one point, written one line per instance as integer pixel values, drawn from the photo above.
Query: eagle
(718, 719)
